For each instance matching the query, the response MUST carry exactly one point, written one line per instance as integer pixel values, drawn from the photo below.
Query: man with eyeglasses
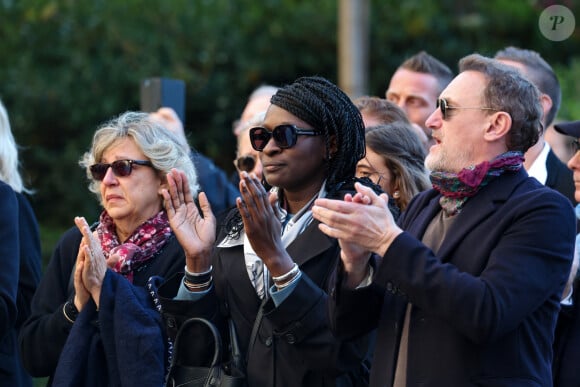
(465, 289)
(541, 162)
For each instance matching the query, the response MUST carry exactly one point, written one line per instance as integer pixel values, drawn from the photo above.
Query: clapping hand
(195, 233)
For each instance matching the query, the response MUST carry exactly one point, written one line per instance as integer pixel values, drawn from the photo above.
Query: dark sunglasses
(120, 168)
(245, 163)
(443, 105)
(285, 136)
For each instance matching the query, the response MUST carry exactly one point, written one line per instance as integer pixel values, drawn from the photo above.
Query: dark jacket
(560, 177)
(44, 334)
(484, 308)
(9, 256)
(121, 344)
(567, 343)
(294, 346)
(28, 279)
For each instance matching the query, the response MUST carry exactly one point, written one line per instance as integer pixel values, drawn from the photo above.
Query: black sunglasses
(443, 105)
(285, 136)
(245, 163)
(120, 168)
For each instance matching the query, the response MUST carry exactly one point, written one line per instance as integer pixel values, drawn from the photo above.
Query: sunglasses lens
(246, 163)
(121, 168)
(284, 135)
(98, 171)
(259, 137)
(442, 105)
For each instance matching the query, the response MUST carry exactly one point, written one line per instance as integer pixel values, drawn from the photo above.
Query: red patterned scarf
(147, 239)
(457, 188)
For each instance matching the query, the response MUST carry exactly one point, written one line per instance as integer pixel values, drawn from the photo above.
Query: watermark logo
(557, 23)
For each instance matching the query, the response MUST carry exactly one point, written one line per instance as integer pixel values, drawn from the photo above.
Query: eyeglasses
(120, 168)
(245, 163)
(443, 105)
(285, 136)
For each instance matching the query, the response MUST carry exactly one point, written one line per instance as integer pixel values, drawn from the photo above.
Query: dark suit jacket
(484, 309)
(567, 343)
(294, 345)
(560, 177)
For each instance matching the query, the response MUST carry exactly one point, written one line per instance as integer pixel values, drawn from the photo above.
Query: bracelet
(194, 287)
(198, 278)
(285, 277)
(70, 311)
(288, 283)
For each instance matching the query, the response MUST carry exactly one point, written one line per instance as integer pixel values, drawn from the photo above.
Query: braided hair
(325, 107)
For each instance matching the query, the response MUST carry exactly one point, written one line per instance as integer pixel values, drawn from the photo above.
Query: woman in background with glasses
(271, 267)
(86, 292)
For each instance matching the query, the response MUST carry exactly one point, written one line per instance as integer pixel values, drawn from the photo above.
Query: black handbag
(187, 369)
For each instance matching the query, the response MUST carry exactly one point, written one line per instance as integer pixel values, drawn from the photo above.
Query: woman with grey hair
(101, 276)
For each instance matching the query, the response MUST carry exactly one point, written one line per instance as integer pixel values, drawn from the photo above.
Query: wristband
(70, 311)
(198, 278)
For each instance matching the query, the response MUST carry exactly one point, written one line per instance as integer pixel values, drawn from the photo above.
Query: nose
(109, 177)
(574, 162)
(434, 120)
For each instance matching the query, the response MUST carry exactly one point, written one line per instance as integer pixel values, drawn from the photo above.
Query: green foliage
(69, 65)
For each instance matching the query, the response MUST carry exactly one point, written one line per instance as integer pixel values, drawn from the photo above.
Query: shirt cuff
(278, 296)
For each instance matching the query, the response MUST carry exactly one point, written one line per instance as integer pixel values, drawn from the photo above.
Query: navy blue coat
(485, 307)
(9, 257)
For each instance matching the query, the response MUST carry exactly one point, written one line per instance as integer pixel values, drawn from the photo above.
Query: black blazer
(484, 308)
(294, 345)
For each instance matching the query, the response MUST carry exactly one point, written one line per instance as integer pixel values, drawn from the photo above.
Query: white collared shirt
(538, 168)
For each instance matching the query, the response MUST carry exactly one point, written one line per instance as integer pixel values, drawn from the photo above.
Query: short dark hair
(539, 72)
(509, 91)
(424, 63)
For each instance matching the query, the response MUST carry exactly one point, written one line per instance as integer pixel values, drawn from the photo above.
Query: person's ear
(547, 104)
(333, 148)
(499, 125)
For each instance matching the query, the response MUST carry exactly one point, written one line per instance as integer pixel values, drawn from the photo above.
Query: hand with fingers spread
(93, 264)
(262, 224)
(362, 223)
(195, 231)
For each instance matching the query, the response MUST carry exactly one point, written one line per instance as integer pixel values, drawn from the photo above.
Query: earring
(396, 194)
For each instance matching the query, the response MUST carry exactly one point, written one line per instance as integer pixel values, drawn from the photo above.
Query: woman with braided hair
(270, 266)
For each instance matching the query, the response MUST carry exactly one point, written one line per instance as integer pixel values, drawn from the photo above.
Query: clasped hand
(362, 223)
(91, 267)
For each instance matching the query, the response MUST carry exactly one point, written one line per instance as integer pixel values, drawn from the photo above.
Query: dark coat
(567, 343)
(484, 309)
(121, 344)
(560, 177)
(9, 256)
(294, 346)
(44, 334)
(28, 279)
